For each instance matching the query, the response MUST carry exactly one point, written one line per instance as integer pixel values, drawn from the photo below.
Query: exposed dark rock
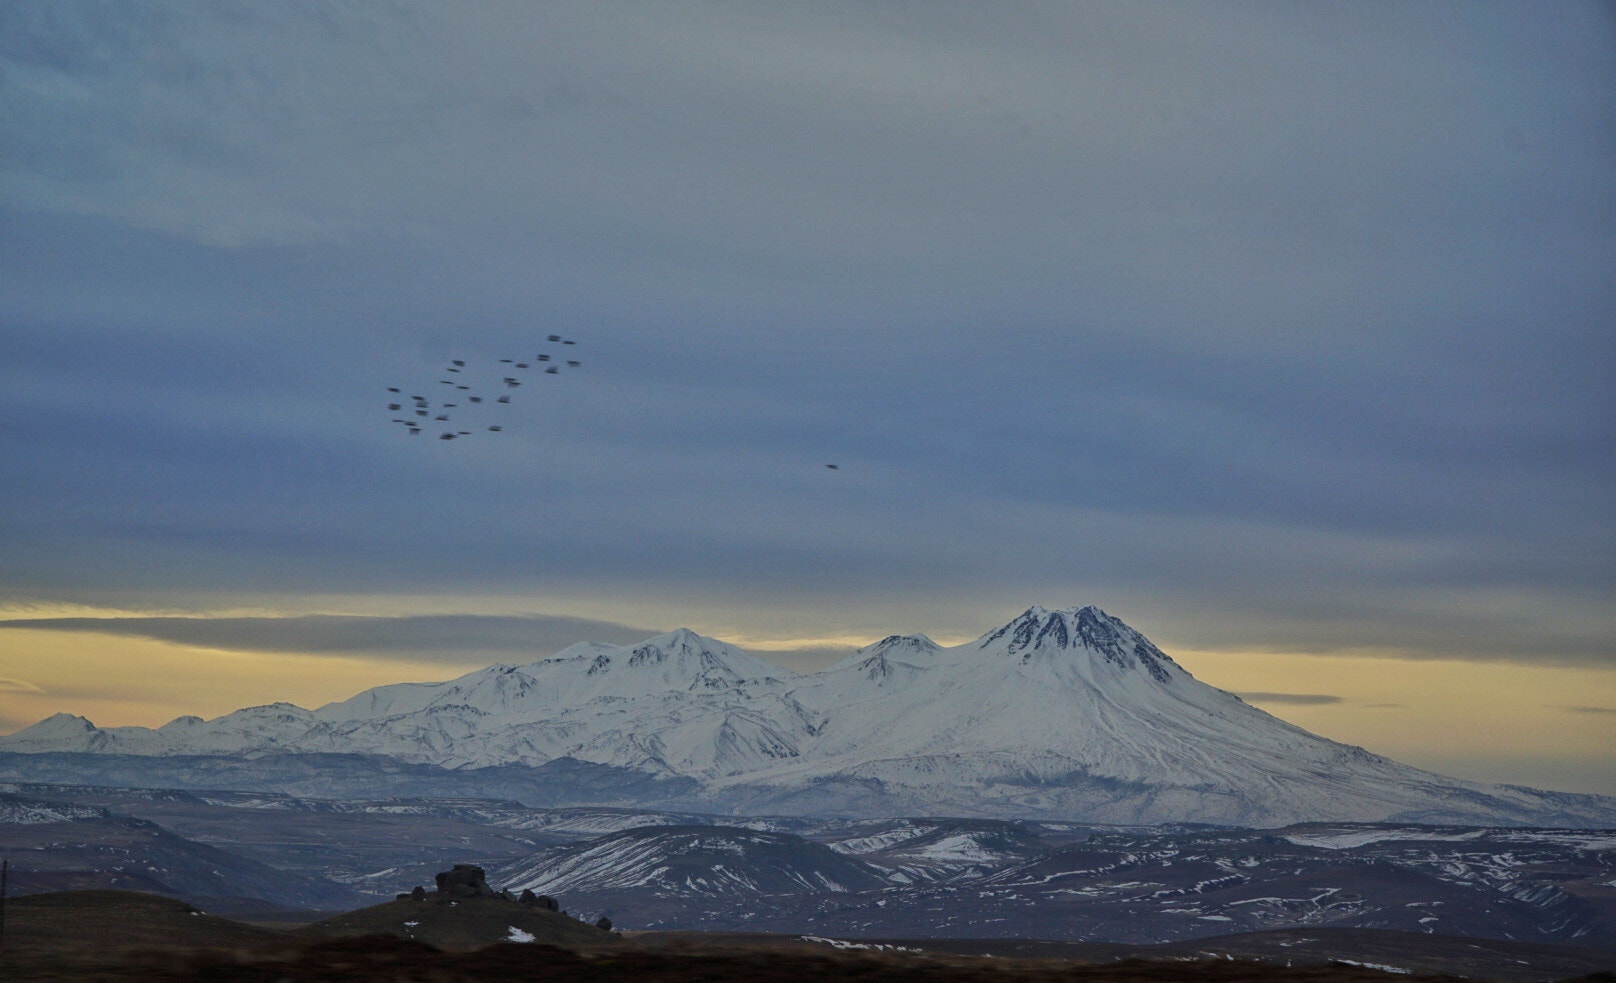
(541, 900)
(465, 881)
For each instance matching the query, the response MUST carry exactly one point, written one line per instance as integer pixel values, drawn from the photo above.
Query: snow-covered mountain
(1065, 714)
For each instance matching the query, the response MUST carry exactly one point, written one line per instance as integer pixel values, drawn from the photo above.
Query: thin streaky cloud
(1295, 699)
(406, 636)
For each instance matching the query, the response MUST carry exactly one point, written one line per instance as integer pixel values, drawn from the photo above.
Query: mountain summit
(1062, 714)
(1086, 628)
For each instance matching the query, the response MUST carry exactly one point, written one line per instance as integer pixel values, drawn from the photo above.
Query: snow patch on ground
(881, 841)
(1592, 840)
(960, 848)
(844, 944)
(1380, 966)
(37, 813)
(1346, 839)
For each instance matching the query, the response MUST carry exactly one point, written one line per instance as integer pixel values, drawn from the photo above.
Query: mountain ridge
(1064, 713)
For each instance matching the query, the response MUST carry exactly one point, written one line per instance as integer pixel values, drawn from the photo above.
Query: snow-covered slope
(675, 704)
(1060, 713)
(693, 860)
(1073, 713)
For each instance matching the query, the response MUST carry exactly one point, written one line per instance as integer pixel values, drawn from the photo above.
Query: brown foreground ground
(118, 936)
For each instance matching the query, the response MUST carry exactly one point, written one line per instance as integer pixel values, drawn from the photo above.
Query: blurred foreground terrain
(117, 935)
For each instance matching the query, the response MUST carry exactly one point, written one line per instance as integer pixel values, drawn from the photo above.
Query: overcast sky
(1278, 330)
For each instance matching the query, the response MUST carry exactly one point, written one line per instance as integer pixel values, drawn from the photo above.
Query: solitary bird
(833, 467)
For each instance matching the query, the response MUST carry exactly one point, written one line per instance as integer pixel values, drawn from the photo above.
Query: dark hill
(118, 936)
(463, 924)
(116, 852)
(105, 921)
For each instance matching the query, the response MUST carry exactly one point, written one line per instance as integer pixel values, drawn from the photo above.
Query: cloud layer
(1282, 329)
(436, 637)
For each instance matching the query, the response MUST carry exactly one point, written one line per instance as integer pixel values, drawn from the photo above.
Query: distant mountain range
(1411, 885)
(975, 878)
(1059, 714)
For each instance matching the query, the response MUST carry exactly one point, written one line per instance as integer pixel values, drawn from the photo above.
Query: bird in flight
(475, 378)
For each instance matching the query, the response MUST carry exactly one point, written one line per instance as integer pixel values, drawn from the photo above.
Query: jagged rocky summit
(1059, 714)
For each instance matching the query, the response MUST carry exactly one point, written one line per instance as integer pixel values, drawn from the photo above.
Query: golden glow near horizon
(118, 681)
(1485, 721)
(1546, 726)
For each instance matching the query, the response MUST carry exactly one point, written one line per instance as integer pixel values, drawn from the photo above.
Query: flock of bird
(475, 392)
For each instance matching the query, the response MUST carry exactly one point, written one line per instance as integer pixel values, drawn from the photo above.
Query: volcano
(1059, 714)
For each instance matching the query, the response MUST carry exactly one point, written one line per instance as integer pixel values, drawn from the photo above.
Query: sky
(1284, 332)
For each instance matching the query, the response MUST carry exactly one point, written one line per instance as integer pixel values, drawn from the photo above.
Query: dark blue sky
(1268, 327)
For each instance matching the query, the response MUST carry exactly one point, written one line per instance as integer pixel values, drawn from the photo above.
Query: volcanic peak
(1087, 627)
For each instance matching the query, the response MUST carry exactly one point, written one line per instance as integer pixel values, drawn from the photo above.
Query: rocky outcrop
(539, 900)
(465, 881)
